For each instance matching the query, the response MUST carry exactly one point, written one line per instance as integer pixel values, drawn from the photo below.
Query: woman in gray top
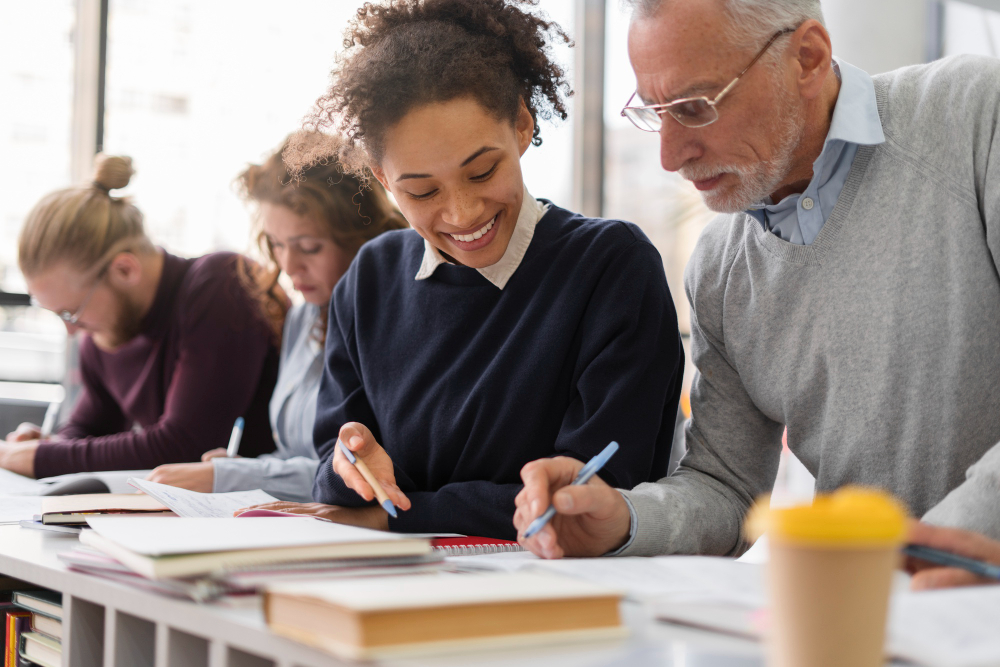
(310, 226)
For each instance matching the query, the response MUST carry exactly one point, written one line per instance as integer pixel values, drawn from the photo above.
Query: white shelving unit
(111, 625)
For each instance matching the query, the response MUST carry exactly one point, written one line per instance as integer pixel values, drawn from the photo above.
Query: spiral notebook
(473, 546)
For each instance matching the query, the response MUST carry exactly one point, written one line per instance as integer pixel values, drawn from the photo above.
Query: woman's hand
(364, 517)
(217, 453)
(357, 438)
(928, 576)
(192, 476)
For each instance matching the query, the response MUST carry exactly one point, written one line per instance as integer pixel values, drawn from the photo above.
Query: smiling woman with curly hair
(501, 328)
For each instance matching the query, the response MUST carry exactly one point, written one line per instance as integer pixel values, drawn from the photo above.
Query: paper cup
(829, 578)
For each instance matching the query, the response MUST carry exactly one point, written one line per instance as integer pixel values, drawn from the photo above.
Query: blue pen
(938, 557)
(383, 497)
(234, 439)
(582, 477)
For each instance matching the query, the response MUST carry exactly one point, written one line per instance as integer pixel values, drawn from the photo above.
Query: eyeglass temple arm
(631, 97)
(760, 53)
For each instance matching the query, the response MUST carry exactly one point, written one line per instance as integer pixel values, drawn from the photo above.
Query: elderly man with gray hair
(849, 293)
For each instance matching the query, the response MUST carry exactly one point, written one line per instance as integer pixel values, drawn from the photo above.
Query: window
(971, 29)
(196, 91)
(36, 72)
(636, 188)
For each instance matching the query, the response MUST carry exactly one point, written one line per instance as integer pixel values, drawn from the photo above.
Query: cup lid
(850, 517)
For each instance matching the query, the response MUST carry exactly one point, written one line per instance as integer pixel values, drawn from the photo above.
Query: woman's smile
(480, 238)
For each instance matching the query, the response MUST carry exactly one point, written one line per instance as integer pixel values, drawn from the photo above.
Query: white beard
(758, 180)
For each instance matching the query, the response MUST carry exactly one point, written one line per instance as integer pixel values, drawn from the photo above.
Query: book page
(206, 505)
(419, 591)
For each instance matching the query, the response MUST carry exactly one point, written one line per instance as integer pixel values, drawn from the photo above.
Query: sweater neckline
(828, 235)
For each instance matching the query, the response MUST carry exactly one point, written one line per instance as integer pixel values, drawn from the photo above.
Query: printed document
(192, 504)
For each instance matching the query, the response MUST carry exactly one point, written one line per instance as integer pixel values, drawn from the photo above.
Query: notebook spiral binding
(478, 549)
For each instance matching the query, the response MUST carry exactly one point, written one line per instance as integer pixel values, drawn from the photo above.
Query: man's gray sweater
(878, 346)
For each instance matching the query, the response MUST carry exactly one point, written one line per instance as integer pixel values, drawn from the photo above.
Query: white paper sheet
(206, 505)
(13, 484)
(14, 509)
(949, 628)
(666, 578)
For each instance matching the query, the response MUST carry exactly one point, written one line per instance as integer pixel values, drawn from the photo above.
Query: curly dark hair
(406, 53)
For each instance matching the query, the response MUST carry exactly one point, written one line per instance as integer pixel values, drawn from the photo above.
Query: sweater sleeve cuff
(236, 474)
(47, 459)
(632, 527)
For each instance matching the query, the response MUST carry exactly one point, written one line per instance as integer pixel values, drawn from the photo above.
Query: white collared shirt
(531, 212)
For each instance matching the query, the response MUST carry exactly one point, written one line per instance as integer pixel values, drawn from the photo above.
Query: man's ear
(125, 270)
(524, 126)
(380, 176)
(813, 52)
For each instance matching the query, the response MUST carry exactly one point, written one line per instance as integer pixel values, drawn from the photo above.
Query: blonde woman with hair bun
(172, 350)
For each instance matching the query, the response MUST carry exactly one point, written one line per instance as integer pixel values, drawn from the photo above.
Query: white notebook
(179, 547)
(175, 536)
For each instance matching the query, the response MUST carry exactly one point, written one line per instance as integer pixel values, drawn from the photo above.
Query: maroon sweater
(203, 357)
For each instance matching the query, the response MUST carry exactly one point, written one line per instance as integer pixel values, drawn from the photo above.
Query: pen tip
(239, 422)
(388, 506)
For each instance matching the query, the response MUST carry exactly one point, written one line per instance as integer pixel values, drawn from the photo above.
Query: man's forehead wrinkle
(658, 96)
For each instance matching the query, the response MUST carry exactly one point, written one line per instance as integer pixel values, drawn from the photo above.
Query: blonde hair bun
(112, 172)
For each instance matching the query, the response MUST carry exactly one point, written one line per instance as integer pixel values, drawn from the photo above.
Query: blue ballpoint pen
(234, 439)
(582, 477)
(948, 559)
(380, 494)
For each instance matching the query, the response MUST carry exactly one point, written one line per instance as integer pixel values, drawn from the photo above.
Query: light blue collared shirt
(798, 218)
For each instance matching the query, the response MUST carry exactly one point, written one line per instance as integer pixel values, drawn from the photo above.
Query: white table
(107, 624)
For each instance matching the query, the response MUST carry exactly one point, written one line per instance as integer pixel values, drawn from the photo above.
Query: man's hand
(19, 457)
(928, 576)
(192, 476)
(217, 453)
(357, 438)
(591, 520)
(365, 517)
(25, 431)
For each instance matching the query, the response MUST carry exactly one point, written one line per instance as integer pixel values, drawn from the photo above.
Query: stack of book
(32, 628)
(203, 558)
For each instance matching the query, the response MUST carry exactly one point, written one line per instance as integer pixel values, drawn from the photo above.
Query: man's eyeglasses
(74, 317)
(689, 111)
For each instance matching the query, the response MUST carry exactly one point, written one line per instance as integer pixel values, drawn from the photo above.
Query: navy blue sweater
(463, 383)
